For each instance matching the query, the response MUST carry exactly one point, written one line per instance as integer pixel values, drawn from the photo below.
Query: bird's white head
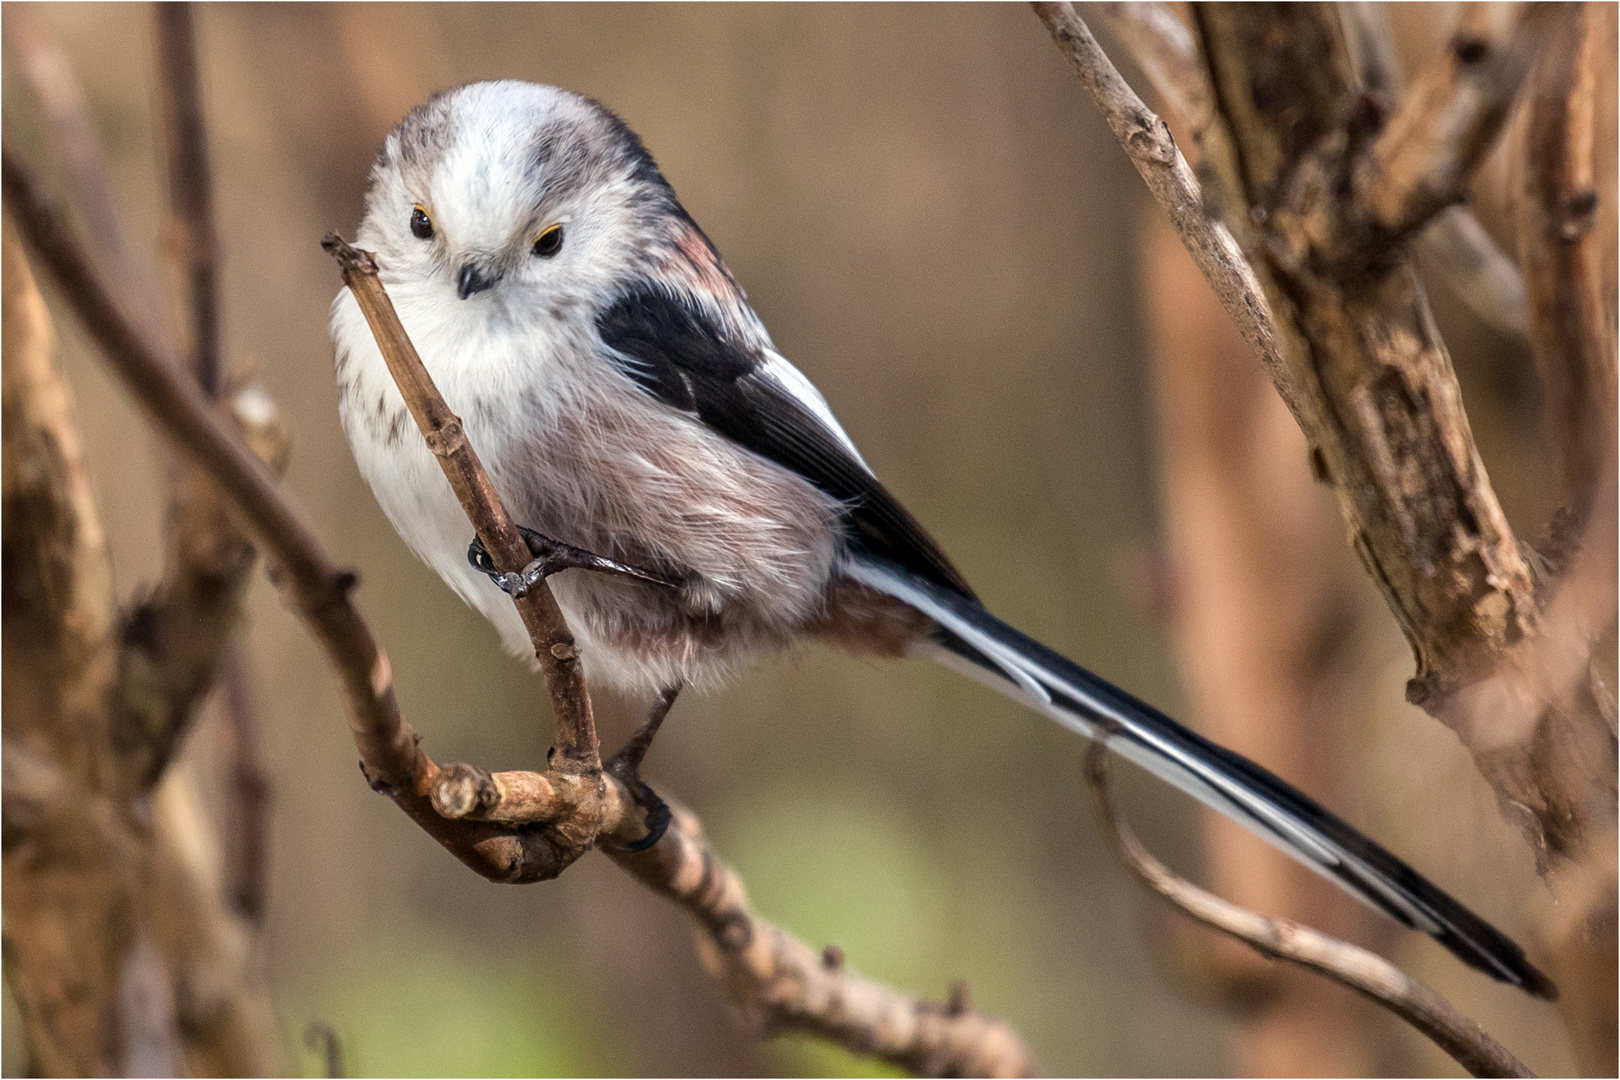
(514, 194)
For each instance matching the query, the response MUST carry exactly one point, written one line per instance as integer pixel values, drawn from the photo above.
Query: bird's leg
(550, 556)
(626, 766)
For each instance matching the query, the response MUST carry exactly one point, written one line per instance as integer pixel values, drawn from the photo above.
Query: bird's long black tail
(971, 639)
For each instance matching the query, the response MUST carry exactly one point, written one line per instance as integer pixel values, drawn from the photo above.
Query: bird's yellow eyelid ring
(547, 231)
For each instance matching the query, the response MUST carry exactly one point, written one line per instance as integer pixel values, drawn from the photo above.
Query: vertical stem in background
(194, 250)
(1260, 618)
(191, 198)
(247, 871)
(1560, 251)
(1572, 338)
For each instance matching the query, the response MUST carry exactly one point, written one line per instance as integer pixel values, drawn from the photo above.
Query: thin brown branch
(1422, 160)
(1282, 939)
(1373, 385)
(1164, 49)
(774, 978)
(780, 983)
(1148, 143)
(554, 644)
(1560, 250)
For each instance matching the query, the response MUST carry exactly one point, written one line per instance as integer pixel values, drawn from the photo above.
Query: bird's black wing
(684, 356)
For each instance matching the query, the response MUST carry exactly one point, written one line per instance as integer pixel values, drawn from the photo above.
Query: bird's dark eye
(549, 242)
(421, 224)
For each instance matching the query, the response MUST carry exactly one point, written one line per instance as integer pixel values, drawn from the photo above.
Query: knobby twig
(554, 645)
(1164, 49)
(191, 192)
(1346, 964)
(771, 975)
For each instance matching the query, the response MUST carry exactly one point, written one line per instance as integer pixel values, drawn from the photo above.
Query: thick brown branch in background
(60, 660)
(1560, 250)
(1394, 443)
(1458, 246)
(1369, 381)
(99, 908)
(1381, 404)
(1281, 939)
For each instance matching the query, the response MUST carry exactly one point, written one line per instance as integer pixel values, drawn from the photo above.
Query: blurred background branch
(1366, 973)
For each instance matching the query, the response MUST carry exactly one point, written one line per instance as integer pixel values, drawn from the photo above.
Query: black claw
(658, 818)
(626, 766)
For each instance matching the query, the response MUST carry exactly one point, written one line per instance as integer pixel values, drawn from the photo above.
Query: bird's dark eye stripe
(421, 224)
(549, 242)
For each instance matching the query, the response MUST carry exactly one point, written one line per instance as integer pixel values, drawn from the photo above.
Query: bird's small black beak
(473, 280)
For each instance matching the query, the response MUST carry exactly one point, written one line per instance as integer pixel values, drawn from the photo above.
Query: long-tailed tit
(627, 401)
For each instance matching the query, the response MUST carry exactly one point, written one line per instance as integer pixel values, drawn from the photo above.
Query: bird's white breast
(580, 454)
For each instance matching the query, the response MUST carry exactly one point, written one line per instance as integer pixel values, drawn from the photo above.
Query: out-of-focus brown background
(926, 210)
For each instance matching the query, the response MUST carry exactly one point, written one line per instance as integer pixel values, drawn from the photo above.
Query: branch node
(377, 783)
(1469, 47)
(344, 582)
(461, 789)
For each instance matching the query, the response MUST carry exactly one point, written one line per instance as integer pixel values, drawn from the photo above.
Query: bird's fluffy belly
(616, 473)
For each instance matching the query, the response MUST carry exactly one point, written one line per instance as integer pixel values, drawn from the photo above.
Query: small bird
(634, 415)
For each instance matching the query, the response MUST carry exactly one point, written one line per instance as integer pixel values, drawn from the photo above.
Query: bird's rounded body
(576, 451)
